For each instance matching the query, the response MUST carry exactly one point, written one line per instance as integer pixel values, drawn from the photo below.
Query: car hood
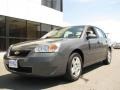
(29, 45)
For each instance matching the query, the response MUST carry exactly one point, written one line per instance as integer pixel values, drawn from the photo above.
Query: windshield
(67, 32)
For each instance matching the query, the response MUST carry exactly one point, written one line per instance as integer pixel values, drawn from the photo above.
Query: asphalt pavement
(95, 77)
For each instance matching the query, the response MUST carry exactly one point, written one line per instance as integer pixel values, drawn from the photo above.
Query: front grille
(19, 53)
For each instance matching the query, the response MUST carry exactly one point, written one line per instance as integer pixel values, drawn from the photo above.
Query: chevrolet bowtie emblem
(17, 52)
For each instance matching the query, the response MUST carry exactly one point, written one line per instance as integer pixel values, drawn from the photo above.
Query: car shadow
(89, 69)
(92, 67)
(14, 82)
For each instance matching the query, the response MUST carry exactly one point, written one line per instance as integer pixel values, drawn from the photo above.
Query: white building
(22, 20)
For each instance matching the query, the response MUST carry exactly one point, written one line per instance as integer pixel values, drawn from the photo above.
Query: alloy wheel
(76, 66)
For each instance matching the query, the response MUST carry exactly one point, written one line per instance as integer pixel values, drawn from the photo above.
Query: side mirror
(91, 36)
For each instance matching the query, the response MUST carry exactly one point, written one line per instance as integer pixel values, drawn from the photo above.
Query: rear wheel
(74, 67)
(108, 59)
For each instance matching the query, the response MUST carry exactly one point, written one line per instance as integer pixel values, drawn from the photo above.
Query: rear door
(102, 42)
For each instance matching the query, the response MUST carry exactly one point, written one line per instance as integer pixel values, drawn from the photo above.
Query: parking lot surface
(95, 77)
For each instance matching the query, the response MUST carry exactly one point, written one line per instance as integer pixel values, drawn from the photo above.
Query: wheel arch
(80, 53)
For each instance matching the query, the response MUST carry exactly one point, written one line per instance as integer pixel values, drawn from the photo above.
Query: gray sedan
(64, 51)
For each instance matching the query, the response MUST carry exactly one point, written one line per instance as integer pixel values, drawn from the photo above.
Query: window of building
(47, 3)
(2, 44)
(55, 4)
(2, 26)
(17, 27)
(54, 27)
(2, 33)
(15, 40)
(45, 28)
(33, 30)
(13, 30)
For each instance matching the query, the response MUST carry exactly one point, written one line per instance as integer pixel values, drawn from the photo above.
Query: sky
(104, 14)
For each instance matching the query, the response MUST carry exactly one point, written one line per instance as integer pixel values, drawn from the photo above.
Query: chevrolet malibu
(64, 51)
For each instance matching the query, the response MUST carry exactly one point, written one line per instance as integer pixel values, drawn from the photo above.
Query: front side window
(67, 32)
(91, 30)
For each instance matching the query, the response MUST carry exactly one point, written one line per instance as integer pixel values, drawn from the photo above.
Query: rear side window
(100, 33)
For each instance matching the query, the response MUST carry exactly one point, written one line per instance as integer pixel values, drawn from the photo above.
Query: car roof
(82, 25)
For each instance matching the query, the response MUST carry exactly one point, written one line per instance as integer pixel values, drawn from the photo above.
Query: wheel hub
(76, 66)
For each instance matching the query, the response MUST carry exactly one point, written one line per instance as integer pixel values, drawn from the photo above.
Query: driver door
(93, 45)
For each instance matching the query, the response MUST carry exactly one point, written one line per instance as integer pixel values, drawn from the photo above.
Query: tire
(74, 67)
(107, 61)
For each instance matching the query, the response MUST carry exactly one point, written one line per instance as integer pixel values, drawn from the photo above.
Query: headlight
(48, 48)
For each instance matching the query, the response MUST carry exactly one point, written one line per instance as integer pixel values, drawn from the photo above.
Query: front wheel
(74, 67)
(108, 59)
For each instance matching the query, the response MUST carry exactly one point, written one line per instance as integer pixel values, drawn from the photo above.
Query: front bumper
(39, 64)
